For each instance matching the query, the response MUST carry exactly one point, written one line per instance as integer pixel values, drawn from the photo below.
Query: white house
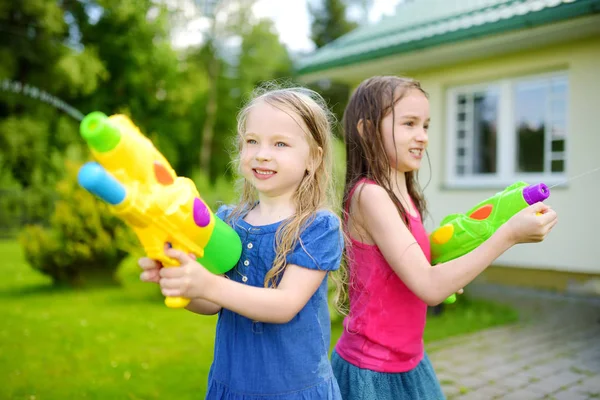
(514, 90)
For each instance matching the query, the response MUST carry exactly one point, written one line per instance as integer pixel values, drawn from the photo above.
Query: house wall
(574, 244)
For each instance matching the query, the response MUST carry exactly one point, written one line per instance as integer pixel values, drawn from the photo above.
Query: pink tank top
(384, 329)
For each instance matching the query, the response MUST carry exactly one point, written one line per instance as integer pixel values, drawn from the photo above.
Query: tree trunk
(211, 114)
(211, 105)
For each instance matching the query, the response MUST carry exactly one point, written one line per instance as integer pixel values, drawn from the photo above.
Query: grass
(123, 343)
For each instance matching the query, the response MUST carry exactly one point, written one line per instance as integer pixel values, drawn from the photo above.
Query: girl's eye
(280, 144)
(251, 141)
(409, 123)
(426, 127)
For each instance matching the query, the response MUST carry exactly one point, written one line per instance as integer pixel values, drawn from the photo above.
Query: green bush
(85, 242)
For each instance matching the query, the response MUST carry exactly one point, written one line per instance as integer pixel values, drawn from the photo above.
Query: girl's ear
(314, 163)
(361, 126)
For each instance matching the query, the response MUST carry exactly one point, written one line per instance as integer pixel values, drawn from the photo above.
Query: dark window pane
(530, 113)
(558, 166)
(485, 117)
(558, 145)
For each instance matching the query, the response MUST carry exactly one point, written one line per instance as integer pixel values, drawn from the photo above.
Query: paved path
(553, 353)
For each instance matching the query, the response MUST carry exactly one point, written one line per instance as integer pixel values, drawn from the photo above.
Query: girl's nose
(422, 136)
(263, 154)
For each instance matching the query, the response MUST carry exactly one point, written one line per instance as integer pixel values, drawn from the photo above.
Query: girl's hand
(151, 269)
(189, 279)
(532, 224)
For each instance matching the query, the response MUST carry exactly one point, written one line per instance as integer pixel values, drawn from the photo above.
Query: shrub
(85, 242)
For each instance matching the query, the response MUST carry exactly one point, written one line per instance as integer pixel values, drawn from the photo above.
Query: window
(509, 130)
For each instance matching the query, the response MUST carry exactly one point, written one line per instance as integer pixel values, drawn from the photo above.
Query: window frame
(506, 166)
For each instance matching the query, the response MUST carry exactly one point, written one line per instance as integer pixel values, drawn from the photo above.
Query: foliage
(117, 57)
(329, 21)
(85, 243)
(34, 137)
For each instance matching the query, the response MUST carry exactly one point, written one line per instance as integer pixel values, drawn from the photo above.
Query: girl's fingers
(170, 283)
(147, 263)
(549, 216)
(540, 208)
(179, 256)
(150, 276)
(170, 292)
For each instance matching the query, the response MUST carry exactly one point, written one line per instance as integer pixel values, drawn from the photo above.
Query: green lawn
(123, 343)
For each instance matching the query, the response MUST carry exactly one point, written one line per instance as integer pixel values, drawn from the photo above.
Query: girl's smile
(276, 153)
(263, 174)
(416, 153)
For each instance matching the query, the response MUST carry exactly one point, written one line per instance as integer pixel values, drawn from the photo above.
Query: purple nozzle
(201, 213)
(536, 193)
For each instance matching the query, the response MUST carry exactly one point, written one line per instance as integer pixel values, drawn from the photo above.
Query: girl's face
(275, 151)
(404, 132)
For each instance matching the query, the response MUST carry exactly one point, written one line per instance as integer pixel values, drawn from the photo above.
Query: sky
(292, 22)
(292, 19)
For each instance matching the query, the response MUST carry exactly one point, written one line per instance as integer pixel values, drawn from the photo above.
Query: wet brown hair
(366, 157)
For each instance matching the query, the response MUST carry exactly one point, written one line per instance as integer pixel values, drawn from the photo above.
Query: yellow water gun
(143, 190)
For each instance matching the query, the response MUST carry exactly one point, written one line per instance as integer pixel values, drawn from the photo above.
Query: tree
(364, 7)
(226, 21)
(261, 57)
(132, 39)
(329, 21)
(237, 53)
(105, 55)
(34, 136)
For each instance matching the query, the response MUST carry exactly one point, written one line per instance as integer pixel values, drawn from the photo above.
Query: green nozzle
(99, 133)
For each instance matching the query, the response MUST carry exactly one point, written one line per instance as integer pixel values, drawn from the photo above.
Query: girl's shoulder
(324, 219)
(367, 191)
(223, 211)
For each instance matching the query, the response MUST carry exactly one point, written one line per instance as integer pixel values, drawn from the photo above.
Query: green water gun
(459, 234)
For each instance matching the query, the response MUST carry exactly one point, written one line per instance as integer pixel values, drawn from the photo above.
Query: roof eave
(522, 22)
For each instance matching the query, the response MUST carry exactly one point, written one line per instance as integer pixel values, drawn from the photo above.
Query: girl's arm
(278, 305)
(203, 307)
(380, 218)
(318, 251)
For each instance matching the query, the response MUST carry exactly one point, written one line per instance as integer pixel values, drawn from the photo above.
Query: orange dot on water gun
(443, 234)
(482, 212)
(163, 176)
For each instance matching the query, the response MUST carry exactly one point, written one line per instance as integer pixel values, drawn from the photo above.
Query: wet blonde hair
(316, 190)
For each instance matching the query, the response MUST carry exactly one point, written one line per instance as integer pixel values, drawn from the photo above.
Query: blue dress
(255, 360)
